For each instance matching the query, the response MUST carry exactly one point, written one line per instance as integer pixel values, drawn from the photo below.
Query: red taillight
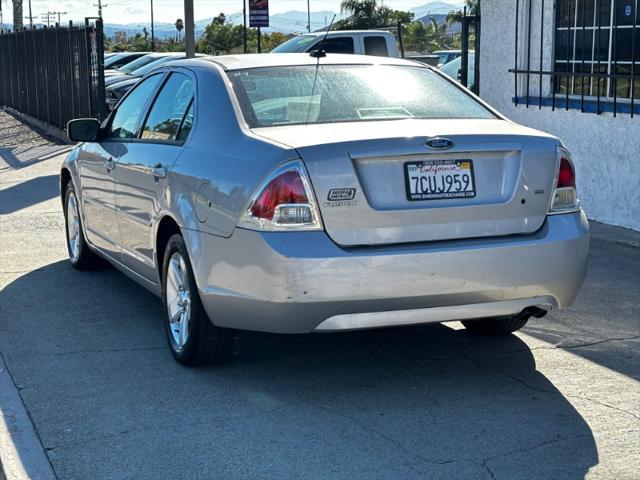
(286, 188)
(566, 175)
(565, 197)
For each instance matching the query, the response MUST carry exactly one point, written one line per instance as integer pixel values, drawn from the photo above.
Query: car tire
(192, 338)
(80, 255)
(496, 326)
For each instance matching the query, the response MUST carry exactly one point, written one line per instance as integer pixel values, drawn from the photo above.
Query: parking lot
(86, 356)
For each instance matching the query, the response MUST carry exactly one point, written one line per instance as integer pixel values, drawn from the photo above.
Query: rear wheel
(80, 256)
(193, 339)
(496, 326)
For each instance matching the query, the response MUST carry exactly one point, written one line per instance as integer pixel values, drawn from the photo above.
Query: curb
(22, 455)
(43, 128)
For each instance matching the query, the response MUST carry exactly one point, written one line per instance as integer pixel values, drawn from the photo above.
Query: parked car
(116, 87)
(367, 42)
(261, 192)
(119, 60)
(453, 69)
(134, 65)
(446, 56)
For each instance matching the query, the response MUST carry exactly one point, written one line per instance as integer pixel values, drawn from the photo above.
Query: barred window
(597, 43)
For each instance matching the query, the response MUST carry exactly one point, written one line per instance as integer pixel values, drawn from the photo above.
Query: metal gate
(54, 74)
(470, 70)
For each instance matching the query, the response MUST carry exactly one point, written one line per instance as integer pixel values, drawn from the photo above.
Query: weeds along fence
(54, 74)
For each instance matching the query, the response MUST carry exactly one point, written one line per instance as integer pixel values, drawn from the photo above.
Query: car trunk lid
(362, 184)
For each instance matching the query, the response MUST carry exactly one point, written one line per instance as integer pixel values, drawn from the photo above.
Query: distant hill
(288, 22)
(435, 9)
(294, 21)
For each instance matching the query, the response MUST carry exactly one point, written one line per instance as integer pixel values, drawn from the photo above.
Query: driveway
(105, 400)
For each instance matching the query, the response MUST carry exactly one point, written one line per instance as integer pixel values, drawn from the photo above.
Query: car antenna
(320, 52)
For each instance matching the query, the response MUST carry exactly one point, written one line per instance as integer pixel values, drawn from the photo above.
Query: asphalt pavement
(89, 390)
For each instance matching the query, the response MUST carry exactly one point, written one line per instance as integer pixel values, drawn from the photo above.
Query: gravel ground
(86, 359)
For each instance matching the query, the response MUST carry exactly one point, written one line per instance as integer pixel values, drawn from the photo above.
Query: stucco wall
(606, 150)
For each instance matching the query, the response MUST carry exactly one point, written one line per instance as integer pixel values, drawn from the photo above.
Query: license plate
(439, 179)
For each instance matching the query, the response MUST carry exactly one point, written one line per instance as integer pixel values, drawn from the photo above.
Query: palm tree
(365, 14)
(17, 14)
(438, 38)
(179, 27)
(456, 16)
(429, 37)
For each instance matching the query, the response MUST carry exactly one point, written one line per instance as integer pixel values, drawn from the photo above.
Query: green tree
(456, 16)
(367, 14)
(274, 39)
(220, 36)
(427, 37)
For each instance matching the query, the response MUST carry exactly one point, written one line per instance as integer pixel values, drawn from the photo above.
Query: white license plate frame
(432, 182)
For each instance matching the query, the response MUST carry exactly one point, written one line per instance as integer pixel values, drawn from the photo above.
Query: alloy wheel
(73, 227)
(178, 300)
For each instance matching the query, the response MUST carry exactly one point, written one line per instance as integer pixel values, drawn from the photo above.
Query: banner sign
(258, 13)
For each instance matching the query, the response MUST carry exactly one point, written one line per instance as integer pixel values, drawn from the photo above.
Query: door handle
(110, 164)
(159, 171)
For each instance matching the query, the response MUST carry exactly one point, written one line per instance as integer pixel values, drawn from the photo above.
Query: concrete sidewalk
(86, 359)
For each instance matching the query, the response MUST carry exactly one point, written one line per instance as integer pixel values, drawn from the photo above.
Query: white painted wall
(606, 150)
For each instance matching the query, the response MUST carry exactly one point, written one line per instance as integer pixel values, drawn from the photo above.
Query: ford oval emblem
(439, 143)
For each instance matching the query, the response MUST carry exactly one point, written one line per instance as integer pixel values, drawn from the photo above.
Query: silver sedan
(303, 193)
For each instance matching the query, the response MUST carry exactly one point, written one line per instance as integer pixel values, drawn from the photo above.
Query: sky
(137, 11)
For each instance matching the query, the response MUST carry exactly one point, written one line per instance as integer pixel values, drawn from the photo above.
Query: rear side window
(336, 45)
(187, 124)
(375, 46)
(169, 108)
(127, 115)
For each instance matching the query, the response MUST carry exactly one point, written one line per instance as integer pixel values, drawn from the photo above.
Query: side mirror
(83, 129)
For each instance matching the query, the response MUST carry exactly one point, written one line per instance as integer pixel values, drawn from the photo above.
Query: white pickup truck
(363, 42)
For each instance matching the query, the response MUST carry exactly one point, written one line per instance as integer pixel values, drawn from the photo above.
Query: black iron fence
(594, 62)
(470, 72)
(54, 74)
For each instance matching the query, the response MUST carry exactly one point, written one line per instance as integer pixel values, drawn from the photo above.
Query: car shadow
(88, 351)
(29, 192)
(602, 325)
(21, 157)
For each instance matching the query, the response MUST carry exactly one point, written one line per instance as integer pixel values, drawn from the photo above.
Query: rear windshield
(139, 72)
(295, 44)
(138, 62)
(275, 96)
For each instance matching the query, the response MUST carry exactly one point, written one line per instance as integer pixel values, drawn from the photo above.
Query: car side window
(127, 115)
(375, 45)
(169, 107)
(187, 124)
(336, 45)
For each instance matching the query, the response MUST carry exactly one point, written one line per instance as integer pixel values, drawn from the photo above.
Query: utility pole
(1, 19)
(60, 13)
(309, 16)
(17, 16)
(99, 5)
(30, 15)
(244, 30)
(153, 40)
(46, 17)
(189, 27)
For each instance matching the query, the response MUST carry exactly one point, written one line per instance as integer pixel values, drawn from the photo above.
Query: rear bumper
(303, 282)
